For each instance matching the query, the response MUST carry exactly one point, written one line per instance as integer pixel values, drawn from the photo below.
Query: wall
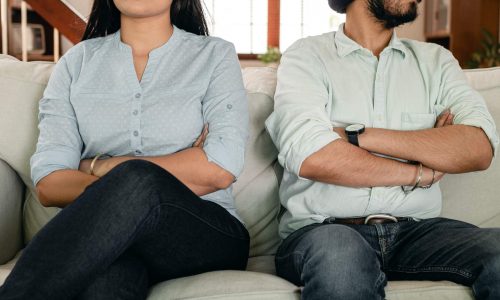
(415, 30)
(81, 7)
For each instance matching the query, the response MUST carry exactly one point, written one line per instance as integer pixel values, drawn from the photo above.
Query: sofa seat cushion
(429, 290)
(241, 285)
(260, 283)
(7, 268)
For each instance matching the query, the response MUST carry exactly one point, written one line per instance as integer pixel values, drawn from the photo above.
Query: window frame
(273, 29)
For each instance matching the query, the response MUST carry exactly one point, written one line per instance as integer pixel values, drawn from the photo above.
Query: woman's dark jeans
(136, 226)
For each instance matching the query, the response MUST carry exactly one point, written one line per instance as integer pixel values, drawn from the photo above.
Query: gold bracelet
(93, 163)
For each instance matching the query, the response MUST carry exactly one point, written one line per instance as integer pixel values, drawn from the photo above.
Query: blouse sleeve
(59, 143)
(225, 110)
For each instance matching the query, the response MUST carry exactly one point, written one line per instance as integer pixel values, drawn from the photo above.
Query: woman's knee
(126, 278)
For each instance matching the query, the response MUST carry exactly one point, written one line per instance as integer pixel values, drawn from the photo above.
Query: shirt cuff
(226, 154)
(46, 162)
(304, 148)
(488, 129)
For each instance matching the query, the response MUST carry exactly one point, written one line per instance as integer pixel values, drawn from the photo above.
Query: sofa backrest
(475, 197)
(468, 197)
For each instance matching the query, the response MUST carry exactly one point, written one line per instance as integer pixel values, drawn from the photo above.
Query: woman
(139, 89)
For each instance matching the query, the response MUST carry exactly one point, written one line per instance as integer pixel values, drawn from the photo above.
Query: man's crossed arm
(447, 148)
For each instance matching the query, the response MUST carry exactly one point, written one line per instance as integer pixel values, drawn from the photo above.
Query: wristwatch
(353, 131)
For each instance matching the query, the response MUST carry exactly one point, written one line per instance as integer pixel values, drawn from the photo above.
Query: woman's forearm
(190, 166)
(62, 187)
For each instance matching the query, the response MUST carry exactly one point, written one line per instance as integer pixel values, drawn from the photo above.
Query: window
(242, 22)
(302, 18)
(253, 25)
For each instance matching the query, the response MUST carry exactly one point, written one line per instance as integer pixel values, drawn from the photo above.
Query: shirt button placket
(136, 123)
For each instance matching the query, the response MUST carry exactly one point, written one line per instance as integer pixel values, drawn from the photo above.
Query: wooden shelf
(466, 19)
(438, 35)
(36, 57)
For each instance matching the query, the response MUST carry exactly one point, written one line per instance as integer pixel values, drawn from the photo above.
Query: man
(366, 125)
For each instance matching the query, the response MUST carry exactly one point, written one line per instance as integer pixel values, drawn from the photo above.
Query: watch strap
(353, 139)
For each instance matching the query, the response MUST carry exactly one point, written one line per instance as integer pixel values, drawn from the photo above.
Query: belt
(369, 220)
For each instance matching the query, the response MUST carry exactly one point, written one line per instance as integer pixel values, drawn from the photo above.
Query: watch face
(355, 128)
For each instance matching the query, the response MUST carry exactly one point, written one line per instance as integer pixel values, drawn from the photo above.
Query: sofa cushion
(11, 193)
(259, 283)
(241, 285)
(256, 191)
(474, 197)
(21, 86)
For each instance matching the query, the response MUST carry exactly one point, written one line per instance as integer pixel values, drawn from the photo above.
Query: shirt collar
(155, 52)
(346, 45)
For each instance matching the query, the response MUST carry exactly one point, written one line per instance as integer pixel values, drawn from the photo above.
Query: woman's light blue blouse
(94, 103)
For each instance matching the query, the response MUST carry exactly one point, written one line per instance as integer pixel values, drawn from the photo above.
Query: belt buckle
(387, 217)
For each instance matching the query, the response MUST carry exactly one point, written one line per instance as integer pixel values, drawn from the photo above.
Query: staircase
(62, 20)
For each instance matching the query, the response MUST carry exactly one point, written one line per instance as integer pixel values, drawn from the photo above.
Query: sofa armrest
(11, 198)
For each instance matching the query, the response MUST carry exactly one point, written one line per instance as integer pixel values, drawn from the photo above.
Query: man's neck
(362, 27)
(146, 34)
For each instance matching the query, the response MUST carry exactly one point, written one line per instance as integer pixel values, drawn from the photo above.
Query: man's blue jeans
(132, 228)
(335, 261)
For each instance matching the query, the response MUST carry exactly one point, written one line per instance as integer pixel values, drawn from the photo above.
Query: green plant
(489, 55)
(273, 55)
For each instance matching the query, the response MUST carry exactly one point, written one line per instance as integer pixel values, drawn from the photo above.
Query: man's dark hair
(339, 6)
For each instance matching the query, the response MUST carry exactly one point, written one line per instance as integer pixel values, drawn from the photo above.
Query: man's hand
(340, 131)
(444, 119)
(427, 176)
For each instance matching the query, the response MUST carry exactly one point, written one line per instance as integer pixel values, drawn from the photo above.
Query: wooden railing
(54, 13)
(59, 16)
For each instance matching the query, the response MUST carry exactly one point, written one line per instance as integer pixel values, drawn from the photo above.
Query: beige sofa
(471, 197)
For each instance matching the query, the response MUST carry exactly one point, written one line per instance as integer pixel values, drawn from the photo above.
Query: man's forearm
(340, 163)
(190, 166)
(450, 149)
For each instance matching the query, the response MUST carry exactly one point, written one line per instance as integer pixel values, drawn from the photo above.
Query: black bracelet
(419, 178)
(432, 182)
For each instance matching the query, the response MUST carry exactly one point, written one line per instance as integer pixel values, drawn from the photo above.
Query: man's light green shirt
(330, 81)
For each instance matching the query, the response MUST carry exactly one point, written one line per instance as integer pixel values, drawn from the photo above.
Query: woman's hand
(85, 165)
(201, 139)
(99, 167)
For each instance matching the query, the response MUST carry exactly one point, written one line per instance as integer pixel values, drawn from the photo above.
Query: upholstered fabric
(475, 197)
(11, 192)
(256, 191)
(21, 86)
(470, 197)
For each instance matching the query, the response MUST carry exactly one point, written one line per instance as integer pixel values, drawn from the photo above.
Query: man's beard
(392, 19)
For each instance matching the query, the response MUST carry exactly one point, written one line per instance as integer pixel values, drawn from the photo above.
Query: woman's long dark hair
(105, 18)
